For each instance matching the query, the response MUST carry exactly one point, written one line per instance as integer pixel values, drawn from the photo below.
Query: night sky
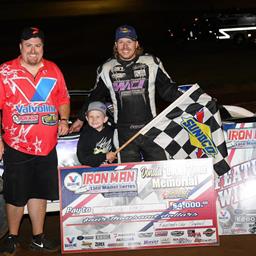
(92, 21)
(79, 34)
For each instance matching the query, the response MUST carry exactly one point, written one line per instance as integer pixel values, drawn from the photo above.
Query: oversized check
(138, 206)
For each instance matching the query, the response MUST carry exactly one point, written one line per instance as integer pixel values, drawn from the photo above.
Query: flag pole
(128, 142)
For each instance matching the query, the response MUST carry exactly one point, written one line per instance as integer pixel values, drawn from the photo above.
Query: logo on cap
(35, 31)
(124, 30)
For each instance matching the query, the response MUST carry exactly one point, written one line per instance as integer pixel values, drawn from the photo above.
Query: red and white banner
(138, 206)
(236, 189)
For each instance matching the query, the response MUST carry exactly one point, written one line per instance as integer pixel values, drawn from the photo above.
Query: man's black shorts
(29, 176)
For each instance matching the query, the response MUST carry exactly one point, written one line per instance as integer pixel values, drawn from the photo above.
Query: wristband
(64, 119)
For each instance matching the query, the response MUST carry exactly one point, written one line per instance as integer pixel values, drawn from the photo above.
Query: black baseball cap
(30, 32)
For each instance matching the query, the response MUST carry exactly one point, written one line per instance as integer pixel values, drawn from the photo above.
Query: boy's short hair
(97, 105)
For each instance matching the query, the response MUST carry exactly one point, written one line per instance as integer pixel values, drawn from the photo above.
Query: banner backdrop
(138, 205)
(236, 189)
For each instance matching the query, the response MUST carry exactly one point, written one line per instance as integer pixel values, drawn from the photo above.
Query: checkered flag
(191, 128)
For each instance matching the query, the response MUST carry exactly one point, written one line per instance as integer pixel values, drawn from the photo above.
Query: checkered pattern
(166, 129)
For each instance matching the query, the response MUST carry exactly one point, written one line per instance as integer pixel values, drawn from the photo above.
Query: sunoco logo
(200, 135)
(73, 181)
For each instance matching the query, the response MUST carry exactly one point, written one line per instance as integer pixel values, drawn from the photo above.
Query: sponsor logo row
(141, 239)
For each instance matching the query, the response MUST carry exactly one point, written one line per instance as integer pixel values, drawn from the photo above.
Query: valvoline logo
(73, 181)
(224, 215)
(35, 93)
(70, 242)
(200, 135)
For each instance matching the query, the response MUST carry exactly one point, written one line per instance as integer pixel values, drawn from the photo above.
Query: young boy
(95, 145)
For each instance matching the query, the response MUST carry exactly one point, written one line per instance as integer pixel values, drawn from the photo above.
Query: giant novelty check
(138, 206)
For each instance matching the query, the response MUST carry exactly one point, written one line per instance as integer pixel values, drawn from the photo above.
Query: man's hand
(76, 126)
(63, 128)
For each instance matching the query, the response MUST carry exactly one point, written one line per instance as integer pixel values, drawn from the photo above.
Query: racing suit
(131, 86)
